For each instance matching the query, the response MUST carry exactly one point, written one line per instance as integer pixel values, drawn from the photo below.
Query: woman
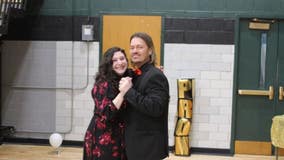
(104, 138)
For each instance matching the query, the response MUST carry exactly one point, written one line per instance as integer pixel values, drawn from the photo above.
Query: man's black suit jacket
(146, 134)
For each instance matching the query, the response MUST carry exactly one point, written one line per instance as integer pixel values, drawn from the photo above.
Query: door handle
(281, 93)
(269, 93)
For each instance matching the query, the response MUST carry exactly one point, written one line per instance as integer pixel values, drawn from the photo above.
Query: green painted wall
(182, 8)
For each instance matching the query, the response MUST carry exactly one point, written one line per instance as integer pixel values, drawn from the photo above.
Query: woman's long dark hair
(106, 72)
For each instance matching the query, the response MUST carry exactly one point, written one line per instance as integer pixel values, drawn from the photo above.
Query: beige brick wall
(210, 65)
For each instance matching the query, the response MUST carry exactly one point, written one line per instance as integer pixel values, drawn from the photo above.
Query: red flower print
(115, 154)
(105, 139)
(97, 152)
(88, 142)
(114, 148)
(88, 136)
(103, 118)
(104, 103)
(102, 87)
(100, 124)
(94, 89)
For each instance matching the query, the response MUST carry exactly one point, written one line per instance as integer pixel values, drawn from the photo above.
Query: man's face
(139, 51)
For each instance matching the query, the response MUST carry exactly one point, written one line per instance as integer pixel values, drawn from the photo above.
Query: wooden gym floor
(41, 152)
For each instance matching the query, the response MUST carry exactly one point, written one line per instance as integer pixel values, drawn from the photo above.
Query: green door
(259, 75)
(280, 71)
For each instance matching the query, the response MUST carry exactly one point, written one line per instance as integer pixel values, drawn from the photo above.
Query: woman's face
(119, 63)
(139, 51)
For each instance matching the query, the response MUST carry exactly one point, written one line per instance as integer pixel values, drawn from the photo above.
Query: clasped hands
(125, 84)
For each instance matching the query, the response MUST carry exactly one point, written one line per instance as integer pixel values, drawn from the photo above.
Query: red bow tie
(138, 71)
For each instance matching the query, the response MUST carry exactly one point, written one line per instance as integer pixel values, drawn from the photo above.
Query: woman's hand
(125, 84)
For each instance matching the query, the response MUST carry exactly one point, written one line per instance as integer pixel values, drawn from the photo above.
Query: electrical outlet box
(87, 32)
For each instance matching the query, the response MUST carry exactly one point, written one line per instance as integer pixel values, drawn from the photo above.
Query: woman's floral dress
(104, 139)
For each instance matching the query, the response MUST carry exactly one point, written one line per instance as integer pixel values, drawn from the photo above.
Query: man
(146, 134)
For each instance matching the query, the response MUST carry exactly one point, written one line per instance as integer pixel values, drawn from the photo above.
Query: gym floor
(45, 152)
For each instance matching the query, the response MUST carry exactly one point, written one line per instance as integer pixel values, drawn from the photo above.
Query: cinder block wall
(210, 65)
